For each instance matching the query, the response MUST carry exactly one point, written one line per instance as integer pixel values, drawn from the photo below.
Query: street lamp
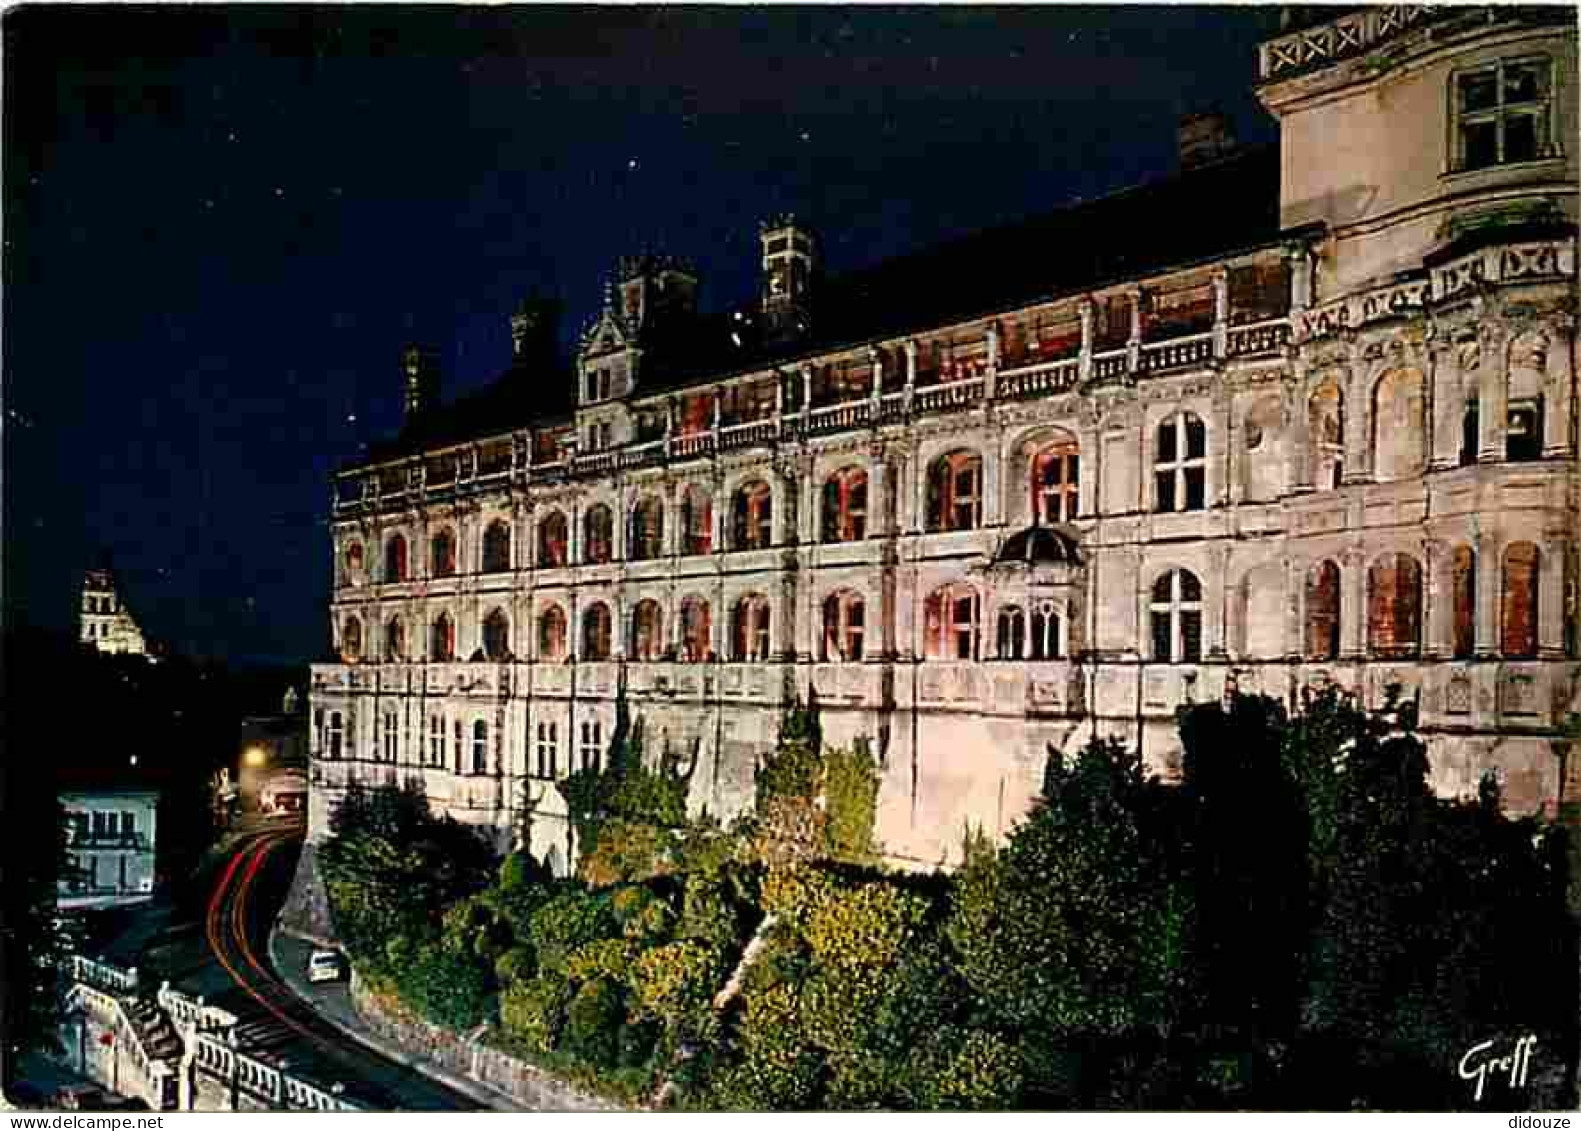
(255, 756)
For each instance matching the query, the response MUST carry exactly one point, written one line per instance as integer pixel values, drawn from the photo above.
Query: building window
(354, 562)
(1176, 610)
(845, 506)
(395, 639)
(551, 633)
(1323, 598)
(548, 751)
(647, 631)
(1399, 435)
(442, 645)
(496, 548)
(753, 513)
(1394, 606)
(955, 500)
(750, 631)
(1523, 436)
(951, 623)
(596, 632)
(1180, 464)
(1470, 426)
(1011, 638)
(1518, 620)
(460, 746)
(647, 530)
(436, 741)
(351, 641)
(480, 747)
(497, 636)
(1056, 472)
(1463, 593)
(844, 617)
(697, 521)
(1046, 641)
(1502, 114)
(592, 744)
(337, 734)
(390, 737)
(552, 544)
(395, 564)
(598, 535)
(695, 630)
(443, 554)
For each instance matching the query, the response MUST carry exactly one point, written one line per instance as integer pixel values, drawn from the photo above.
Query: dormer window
(600, 384)
(1502, 114)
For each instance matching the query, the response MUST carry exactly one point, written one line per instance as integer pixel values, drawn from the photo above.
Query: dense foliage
(1297, 922)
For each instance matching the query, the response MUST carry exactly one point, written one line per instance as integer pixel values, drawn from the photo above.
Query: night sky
(221, 225)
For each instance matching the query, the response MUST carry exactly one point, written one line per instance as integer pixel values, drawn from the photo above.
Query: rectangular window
(128, 823)
(1502, 114)
(592, 745)
(1190, 636)
(1195, 488)
(1166, 489)
(1523, 437)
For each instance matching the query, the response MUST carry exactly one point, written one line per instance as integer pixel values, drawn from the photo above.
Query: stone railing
(104, 975)
(949, 396)
(1038, 380)
(1350, 34)
(1259, 337)
(1196, 349)
(220, 1077)
(193, 1011)
(752, 433)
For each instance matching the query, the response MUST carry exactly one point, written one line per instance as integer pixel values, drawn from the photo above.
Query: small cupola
(420, 366)
(790, 269)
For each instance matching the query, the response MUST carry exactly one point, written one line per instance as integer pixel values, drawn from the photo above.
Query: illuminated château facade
(1292, 416)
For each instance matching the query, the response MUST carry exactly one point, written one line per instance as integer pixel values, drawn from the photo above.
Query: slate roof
(1205, 213)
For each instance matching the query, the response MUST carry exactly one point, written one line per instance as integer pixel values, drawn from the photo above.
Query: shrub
(602, 958)
(970, 1070)
(636, 1043)
(674, 981)
(593, 1021)
(566, 923)
(521, 870)
(867, 928)
(516, 965)
(533, 1011)
(708, 914)
(447, 986)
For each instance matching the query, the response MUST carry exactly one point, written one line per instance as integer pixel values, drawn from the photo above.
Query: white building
(106, 622)
(110, 833)
(1295, 416)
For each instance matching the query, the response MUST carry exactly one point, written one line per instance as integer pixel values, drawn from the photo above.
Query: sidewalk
(332, 1002)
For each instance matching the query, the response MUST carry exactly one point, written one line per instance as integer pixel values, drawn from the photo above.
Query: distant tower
(533, 330)
(421, 367)
(790, 266)
(106, 624)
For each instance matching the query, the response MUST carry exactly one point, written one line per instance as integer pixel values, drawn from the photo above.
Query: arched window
(337, 734)
(1046, 641)
(952, 623)
(497, 635)
(697, 521)
(442, 553)
(395, 639)
(1394, 606)
(392, 737)
(1326, 433)
(351, 640)
(1398, 433)
(353, 564)
(1011, 639)
(395, 565)
(480, 747)
(1523, 431)
(647, 529)
(598, 534)
(443, 643)
(1180, 464)
(955, 492)
(695, 630)
(752, 516)
(553, 550)
(845, 506)
(551, 633)
(1176, 610)
(1323, 598)
(844, 624)
(595, 632)
(1463, 587)
(496, 547)
(1056, 474)
(436, 740)
(647, 631)
(749, 631)
(1518, 598)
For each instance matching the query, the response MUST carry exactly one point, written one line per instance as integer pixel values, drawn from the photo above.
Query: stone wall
(529, 1085)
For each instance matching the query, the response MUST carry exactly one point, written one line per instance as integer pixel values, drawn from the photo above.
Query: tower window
(1177, 618)
(1502, 114)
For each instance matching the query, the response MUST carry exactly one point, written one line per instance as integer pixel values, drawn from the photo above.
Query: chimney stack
(534, 327)
(1204, 137)
(421, 368)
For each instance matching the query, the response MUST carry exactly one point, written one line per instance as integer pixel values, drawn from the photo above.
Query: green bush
(447, 986)
(636, 1043)
(602, 958)
(533, 1011)
(867, 928)
(674, 981)
(521, 870)
(566, 923)
(516, 965)
(973, 1071)
(593, 1022)
(708, 914)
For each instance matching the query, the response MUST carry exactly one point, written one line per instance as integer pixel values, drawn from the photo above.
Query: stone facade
(110, 841)
(105, 621)
(1343, 453)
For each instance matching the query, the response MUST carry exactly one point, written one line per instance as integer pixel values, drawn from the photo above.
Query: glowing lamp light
(255, 756)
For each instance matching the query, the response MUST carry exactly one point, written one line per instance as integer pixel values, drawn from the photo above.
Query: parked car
(325, 966)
